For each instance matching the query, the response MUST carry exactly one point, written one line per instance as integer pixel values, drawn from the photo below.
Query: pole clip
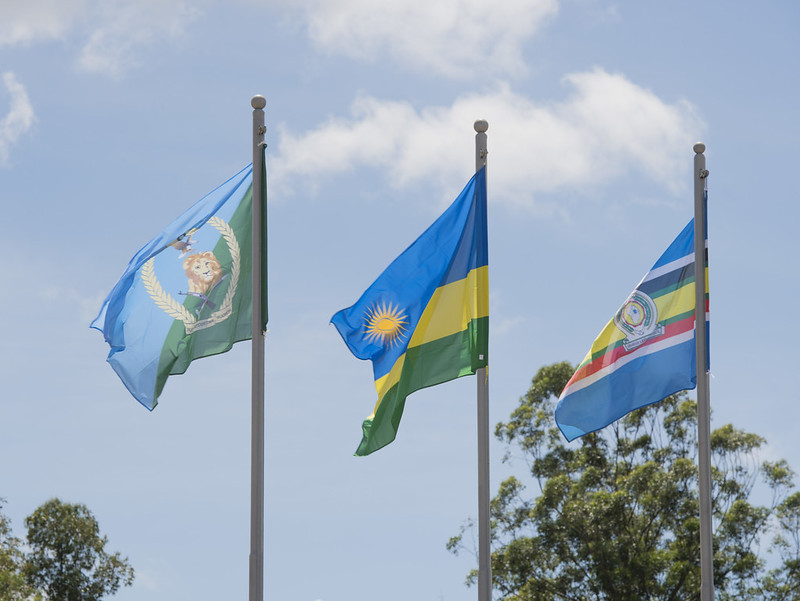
(262, 129)
(703, 173)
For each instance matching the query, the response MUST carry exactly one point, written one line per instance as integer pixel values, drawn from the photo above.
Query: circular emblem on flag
(637, 318)
(634, 313)
(385, 324)
(204, 274)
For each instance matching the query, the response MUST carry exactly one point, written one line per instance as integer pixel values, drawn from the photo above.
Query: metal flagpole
(703, 398)
(484, 533)
(257, 369)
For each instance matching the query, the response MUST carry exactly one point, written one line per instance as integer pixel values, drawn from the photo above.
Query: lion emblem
(203, 270)
(205, 275)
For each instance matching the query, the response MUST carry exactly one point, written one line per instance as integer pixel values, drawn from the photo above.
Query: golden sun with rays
(385, 323)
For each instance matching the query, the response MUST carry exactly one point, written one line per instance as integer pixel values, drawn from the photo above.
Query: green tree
(616, 517)
(67, 558)
(13, 586)
(783, 582)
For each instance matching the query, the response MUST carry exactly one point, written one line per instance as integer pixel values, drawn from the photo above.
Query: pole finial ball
(258, 102)
(699, 148)
(481, 125)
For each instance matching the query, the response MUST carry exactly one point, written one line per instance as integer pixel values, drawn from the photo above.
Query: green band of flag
(427, 365)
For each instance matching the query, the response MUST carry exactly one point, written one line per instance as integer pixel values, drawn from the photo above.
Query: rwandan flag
(186, 294)
(645, 353)
(425, 320)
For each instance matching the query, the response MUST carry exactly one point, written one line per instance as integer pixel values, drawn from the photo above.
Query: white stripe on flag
(641, 352)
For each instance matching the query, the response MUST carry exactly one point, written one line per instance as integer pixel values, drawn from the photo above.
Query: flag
(425, 320)
(645, 353)
(186, 294)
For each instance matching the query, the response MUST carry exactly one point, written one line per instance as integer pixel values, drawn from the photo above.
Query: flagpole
(484, 533)
(257, 369)
(703, 397)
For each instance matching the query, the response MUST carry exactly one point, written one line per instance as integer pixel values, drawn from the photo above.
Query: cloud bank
(27, 21)
(125, 26)
(604, 129)
(20, 117)
(454, 38)
(114, 30)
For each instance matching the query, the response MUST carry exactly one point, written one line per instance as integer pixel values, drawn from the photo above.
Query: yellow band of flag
(450, 311)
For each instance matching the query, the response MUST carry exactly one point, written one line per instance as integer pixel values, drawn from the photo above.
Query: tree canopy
(616, 515)
(13, 586)
(67, 560)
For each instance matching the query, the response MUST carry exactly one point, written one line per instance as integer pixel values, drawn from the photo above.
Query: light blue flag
(186, 294)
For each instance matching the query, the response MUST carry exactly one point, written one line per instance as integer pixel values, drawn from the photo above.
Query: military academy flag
(645, 353)
(425, 320)
(186, 294)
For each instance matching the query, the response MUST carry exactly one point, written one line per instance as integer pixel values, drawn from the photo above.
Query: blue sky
(117, 116)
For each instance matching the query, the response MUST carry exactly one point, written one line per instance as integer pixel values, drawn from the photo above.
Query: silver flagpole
(703, 398)
(257, 369)
(484, 533)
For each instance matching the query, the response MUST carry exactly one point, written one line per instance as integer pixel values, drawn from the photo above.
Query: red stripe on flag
(610, 357)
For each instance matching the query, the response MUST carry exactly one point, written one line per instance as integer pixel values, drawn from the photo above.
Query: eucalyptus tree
(614, 515)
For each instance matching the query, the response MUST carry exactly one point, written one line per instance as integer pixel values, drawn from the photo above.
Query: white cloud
(607, 127)
(26, 21)
(20, 117)
(114, 30)
(456, 38)
(126, 25)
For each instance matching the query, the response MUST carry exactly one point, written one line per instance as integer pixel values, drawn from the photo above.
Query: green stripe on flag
(180, 348)
(429, 364)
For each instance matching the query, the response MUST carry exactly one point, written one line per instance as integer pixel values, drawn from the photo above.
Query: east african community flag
(645, 353)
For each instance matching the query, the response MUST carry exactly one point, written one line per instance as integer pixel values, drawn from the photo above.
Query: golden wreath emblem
(167, 303)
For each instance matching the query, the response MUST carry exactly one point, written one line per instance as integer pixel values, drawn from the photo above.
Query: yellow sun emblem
(385, 323)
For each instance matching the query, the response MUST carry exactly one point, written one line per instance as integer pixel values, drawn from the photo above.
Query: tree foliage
(13, 586)
(67, 558)
(616, 517)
